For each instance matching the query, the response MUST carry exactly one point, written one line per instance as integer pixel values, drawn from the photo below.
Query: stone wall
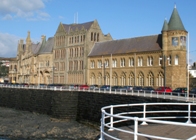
(58, 104)
(81, 106)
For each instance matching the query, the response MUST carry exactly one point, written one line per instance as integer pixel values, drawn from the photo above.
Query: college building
(82, 54)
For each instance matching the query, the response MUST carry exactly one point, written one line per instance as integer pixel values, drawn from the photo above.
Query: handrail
(133, 93)
(118, 118)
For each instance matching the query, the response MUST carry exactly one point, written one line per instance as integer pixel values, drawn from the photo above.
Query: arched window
(123, 79)
(131, 62)
(115, 79)
(99, 79)
(160, 79)
(92, 79)
(140, 79)
(131, 79)
(150, 79)
(176, 60)
(169, 59)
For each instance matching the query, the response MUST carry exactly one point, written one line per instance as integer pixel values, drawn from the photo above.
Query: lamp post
(104, 77)
(164, 70)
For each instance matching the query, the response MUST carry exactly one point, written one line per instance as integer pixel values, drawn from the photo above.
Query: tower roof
(175, 22)
(165, 26)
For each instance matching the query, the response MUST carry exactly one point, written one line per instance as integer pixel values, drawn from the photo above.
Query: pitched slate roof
(35, 48)
(73, 27)
(47, 46)
(130, 45)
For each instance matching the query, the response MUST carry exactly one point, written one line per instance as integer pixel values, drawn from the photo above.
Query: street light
(164, 69)
(104, 77)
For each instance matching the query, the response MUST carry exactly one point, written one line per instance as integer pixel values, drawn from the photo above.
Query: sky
(121, 18)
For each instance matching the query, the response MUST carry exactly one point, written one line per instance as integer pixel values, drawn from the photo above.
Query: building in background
(61, 59)
(156, 60)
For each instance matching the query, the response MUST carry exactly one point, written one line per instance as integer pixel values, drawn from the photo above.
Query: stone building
(62, 58)
(73, 42)
(34, 61)
(154, 60)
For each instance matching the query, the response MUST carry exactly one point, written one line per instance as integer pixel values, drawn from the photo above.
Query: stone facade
(82, 54)
(158, 60)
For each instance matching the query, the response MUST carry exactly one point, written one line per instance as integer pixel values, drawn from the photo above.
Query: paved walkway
(169, 131)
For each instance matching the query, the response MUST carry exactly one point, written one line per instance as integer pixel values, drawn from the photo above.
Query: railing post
(138, 93)
(144, 93)
(135, 127)
(189, 114)
(132, 92)
(111, 118)
(144, 114)
(102, 126)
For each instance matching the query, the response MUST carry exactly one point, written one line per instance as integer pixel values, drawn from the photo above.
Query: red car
(163, 89)
(83, 87)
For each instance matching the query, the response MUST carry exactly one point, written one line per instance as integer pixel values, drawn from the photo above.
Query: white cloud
(8, 45)
(29, 9)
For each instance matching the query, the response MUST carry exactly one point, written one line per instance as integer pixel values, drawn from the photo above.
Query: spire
(165, 25)
(175, 22)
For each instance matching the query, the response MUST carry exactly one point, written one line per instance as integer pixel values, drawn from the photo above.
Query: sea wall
(81, 106)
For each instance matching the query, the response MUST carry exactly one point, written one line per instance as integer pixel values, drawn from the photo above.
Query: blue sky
(120, 18)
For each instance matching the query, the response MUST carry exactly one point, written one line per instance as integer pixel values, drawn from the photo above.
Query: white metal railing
(109, 119)
(171, 96)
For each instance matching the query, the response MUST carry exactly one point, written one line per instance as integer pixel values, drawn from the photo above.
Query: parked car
(137, 88)
(115, 88)
(126, 88)
(180, 91)
(105, 87)
(83, 87)
(163, 90)
(148, 89)
(192, 92)
(94, 87)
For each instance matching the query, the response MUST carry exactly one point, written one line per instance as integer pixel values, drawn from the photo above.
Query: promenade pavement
(169, 131)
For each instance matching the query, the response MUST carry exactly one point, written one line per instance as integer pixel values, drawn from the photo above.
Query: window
(99, 64)
(160, 60)
(140, 79)
(131, 62)
(122, 62)
(169, 59)
(106, 63)
(150, 79)
(140, 61)
(114, 63)
(176, 60)
(149, 61)
(92, 64)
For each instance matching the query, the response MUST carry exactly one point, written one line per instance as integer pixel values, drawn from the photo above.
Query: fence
(145, 115)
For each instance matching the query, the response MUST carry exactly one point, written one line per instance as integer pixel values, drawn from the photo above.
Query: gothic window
(123, 79)
(150, 79)
(92, 79)
(131, 79)
(140, 79)
(115, 79)
(99, 78)
(160, 79)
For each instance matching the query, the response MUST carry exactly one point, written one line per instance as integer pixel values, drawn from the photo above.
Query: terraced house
(154, 60)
